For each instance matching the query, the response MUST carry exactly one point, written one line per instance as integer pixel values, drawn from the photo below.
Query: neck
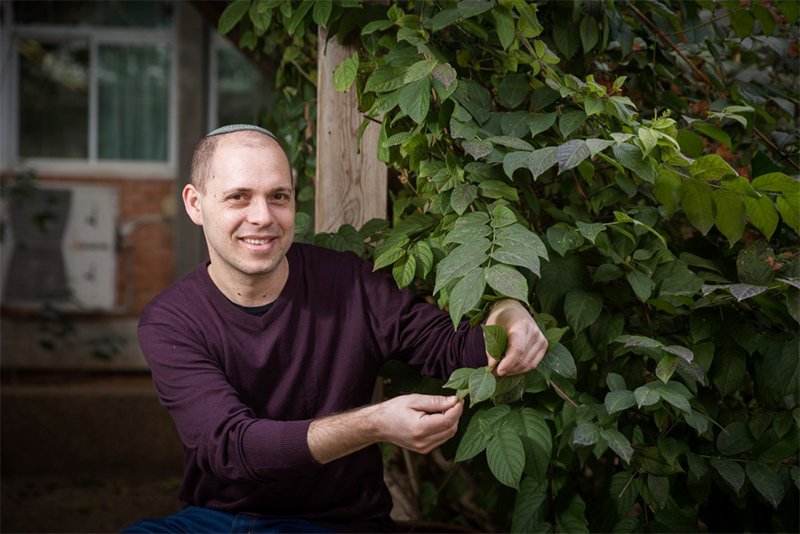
(250, 290)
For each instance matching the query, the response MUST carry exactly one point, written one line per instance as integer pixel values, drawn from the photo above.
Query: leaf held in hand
(496, 340)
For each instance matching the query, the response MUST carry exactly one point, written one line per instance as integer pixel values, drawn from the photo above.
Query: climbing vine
(628, 170)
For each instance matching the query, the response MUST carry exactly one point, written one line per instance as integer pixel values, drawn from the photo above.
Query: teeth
(256, 241)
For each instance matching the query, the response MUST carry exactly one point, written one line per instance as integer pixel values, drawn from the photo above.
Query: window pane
(134, 102)
(243, 94)
(131, 14)
(54, 99)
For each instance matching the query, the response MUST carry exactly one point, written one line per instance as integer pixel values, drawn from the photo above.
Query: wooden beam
(351, 182)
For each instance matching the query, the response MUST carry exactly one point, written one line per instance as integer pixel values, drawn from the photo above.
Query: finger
(432, 404)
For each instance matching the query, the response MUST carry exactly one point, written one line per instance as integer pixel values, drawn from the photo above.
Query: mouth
(258, 241)
(259, 244)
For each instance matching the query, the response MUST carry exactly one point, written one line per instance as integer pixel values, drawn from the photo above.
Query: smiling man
(266, 357)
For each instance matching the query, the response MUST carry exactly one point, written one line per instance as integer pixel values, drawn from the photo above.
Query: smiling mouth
(258, 241)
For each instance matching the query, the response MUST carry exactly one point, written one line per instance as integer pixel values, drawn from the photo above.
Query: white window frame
(94, 36)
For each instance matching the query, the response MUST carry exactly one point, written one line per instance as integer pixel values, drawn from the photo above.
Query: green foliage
(640, 196)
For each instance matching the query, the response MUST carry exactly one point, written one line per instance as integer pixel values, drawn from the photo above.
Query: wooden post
(351, 183)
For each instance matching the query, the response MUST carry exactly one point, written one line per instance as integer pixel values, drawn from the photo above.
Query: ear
(191, 201)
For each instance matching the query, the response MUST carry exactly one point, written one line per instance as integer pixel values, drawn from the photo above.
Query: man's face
(247, 207)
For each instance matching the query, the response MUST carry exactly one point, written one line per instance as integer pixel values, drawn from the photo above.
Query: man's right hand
(419, 423)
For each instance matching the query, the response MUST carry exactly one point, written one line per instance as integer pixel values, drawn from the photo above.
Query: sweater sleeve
(409, 328)
(224, 435)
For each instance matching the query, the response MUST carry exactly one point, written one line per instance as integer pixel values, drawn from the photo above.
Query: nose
(259, 213)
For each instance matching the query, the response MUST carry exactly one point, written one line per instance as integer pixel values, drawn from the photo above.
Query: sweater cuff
(277, 448)
(475, 353)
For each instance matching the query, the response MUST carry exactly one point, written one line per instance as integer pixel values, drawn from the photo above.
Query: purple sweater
(243, 389)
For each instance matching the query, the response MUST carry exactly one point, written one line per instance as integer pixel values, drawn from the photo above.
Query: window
(90, 83)
(239, 93)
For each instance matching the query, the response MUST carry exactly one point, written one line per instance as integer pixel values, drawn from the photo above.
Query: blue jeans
(196, 520)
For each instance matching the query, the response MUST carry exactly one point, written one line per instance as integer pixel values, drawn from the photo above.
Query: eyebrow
(281, 189)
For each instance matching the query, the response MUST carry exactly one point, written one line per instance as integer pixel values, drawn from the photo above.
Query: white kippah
(241, 128)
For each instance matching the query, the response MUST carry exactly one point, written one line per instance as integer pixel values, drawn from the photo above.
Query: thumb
(434, 403)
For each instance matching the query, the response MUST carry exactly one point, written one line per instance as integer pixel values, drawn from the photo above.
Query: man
(267, 355)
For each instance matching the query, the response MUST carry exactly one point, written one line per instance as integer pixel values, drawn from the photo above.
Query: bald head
(238, 134)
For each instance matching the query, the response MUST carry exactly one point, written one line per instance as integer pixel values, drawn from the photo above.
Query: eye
(236, 197)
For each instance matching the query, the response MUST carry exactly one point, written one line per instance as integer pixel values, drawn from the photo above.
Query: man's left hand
(526, 342)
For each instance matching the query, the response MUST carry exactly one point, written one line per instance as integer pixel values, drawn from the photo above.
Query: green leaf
(403, 271)
(590, 231)
(419, 70)
(390, 251)
(322, 12)
(714, 133)
(466, 294)
(586, 434)
(641, 283)
(666, 366)
(570, 121)
(518, 246)
(711, 167)
(570, 154)
(496, 340)
(696, 203)
(742, 23)
(649, 139)
(674, 393)
(593, 105)
(504, 25)
(376, 25)
(506, 456)
(618, 443)
(589, 34)
(386, 79)
(730, 471)
(459, 378)
(730, 214)
(563, 238)
(582, 309)
(646, 395)
(463, 195)
(498, 189)
(598, 145)
(507, 281)
(463, 258)
(261, 16)
(502, 216)
(475, 440)
(532, 494)
(415, 99)
(528, 18)
(618, 400)
(735, 439)
(538, 162)
(512, 90)
(615, 382)
(541, 122)
(481, 385)
(298, 15)
(478, 148)
(510, 142)
(789, 208)
(777, 182)
(632, 159)
(345, 73)
(537, 431)
(766, 481)
(639, 341)
(231, 16)
(691, 144)
(559, 360)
